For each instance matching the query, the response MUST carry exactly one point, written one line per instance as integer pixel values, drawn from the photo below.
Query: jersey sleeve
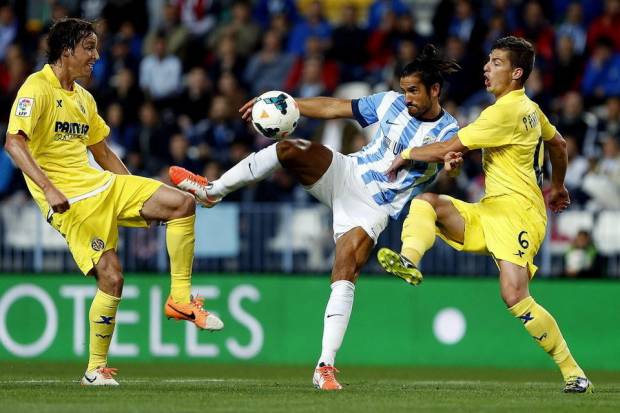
(30, 103)
(547, 129)
(493, 128)
(365, 108)
(98, 129)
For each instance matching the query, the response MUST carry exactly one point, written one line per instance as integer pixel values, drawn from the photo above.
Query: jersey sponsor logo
(24, 107)
(66, 131)
(97, 244)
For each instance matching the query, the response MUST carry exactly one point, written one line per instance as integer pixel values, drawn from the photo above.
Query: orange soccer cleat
(194, 184)
(325, 378)
(193, 312)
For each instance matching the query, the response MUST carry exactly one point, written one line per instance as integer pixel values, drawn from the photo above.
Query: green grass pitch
(203, 387)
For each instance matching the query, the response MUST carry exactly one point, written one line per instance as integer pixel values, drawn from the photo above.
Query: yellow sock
(102, 319)
(543, 327)
(180, 243)
(418, 234)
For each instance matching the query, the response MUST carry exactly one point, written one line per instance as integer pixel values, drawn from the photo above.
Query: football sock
(418, 234)
(180, 243)
(337, 314)
(543, 327)
(255, 167)
(102, 319)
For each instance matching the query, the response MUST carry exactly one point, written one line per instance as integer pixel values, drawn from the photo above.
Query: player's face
(84, 56)
(417, 97)
(499, 73)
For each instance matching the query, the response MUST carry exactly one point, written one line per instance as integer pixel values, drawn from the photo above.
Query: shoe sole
(390, 261)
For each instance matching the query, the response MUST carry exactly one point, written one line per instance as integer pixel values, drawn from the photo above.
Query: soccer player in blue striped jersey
(354, 186)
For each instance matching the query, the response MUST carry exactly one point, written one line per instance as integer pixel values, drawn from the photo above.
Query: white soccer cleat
(324, 378)
(102, 376)
(194, 184)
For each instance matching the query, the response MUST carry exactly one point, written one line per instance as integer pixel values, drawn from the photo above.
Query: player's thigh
(352, 251)
(307, 161)
(459, 224)
(168, 203)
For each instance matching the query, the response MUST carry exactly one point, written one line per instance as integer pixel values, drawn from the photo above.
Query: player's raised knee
(187, 205)
(289, 150)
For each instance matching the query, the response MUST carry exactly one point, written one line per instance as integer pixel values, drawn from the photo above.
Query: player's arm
(449, 152)
(559, 199)
(17, 148)
(317, 107)
(108, 159)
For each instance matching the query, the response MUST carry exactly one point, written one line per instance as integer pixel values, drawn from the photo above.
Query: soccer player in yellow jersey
(52, 123)
(509, 222)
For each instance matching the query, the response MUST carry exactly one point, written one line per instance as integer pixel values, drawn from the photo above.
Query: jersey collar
(50, 76)
(512, 95)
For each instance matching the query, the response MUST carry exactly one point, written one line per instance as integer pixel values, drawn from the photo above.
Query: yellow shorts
(90, 226)
(502, 227)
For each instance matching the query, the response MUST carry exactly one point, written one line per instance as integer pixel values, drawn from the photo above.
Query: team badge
(427, 139)
(24, 107)
(81, 107)
(97, 244)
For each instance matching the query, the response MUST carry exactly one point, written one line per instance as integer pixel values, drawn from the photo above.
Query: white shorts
(341, 188)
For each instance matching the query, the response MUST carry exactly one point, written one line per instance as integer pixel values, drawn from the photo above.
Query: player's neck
(433, 114)
(63, 75)
(509, 89)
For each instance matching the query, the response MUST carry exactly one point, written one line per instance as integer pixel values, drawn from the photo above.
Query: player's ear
(435, 90)
(517, 73)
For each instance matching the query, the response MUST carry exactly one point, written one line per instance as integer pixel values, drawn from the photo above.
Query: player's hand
(246, 109)
(56, 200)
(397, 164)
(559, 199)
(452, 162)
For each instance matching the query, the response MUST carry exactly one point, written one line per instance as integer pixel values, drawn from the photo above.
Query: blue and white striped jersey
(397, 131)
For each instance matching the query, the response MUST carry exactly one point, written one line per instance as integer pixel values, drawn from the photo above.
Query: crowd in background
(173, 73)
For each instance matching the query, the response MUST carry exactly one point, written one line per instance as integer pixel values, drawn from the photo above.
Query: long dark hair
(65, 34)
(431, 67)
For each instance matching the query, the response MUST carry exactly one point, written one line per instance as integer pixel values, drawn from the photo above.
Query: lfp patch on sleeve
(24, 107)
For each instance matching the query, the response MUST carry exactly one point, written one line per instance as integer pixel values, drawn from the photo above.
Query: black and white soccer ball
(275, 114)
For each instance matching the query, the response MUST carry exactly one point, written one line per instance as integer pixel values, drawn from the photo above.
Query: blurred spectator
(8, 28)
(602, 75)
(576, 169)
(118, 58)
(198, 16)
(466, 81)
(346, 39)
(406, 53)
(311, 83)
(537, 29)
(122, 135)
(467, 26)
(498, 27)
(226, 59)
(603, 182)
(606, 26)
(195, 99)
(609, 118)
(179, 153)
(580, 259)
(567, 67)
(150, 150)
(573, 28)
(118, 12)
(266, 10)
(504, 8)
(536, 90)
(572, 118)
(160, 72)
(382, 43)
(12, 74)
(314, 25)
(176, 34)
(214, 134)
(124, 91)
(228, 86)
(267, 69)
(380, 8)
(244, 31)
(328, 71)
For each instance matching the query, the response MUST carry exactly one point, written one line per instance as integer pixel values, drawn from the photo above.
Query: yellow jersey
(511, 133)
(60, 125)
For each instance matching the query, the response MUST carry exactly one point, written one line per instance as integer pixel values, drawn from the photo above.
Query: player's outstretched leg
(255, 167)
(399, 265)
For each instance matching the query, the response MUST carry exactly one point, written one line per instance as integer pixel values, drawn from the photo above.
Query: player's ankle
(412, 255)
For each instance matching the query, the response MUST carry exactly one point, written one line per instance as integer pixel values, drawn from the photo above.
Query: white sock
(253, 168)
(337, 314)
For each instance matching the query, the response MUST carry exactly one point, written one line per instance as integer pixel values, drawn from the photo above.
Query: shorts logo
(24, 107)
(97, 244)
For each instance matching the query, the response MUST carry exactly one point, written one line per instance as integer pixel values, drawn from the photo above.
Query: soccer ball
(275, 114)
